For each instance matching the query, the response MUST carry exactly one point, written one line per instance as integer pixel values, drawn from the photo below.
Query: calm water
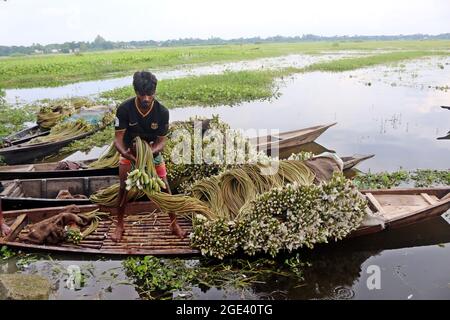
(396, 119)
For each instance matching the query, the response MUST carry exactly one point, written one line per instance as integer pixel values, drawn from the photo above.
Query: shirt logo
(154, 126)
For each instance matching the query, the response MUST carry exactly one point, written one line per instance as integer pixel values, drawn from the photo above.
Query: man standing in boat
(141, 116)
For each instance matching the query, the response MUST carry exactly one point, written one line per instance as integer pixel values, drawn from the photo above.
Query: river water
(393, 112)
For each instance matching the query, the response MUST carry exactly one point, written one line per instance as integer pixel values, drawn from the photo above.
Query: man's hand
(129, 155)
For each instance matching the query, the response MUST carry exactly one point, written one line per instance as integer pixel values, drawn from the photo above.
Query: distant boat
(289, 139)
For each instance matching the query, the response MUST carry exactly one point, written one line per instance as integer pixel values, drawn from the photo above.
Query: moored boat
(24, 153)
(147, 230)
(24, 135)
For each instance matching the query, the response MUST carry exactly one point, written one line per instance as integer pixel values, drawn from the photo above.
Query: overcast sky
(23, 22)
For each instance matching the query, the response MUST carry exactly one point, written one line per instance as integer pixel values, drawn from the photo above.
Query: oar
(445, 107)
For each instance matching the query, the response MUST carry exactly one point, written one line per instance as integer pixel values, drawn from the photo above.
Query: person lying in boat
(141, 116)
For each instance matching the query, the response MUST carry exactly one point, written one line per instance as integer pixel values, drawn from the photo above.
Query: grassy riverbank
(55, 70)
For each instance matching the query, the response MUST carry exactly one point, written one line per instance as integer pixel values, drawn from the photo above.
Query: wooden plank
(428, 198)
(446, 197)
(401, 200)
(439, 192)
(17, 226)
(375, 203)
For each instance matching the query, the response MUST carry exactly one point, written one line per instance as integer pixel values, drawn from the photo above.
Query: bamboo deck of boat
(147, 231)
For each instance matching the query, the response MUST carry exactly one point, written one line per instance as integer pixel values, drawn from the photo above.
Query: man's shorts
(160, 166)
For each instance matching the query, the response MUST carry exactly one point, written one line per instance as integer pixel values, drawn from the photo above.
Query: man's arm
(120, 146)
(159, 144)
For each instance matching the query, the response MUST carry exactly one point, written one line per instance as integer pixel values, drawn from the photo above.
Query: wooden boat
(401, 207)
(147, 229)
(18, 154)
(288, 141)
(41, 193)
(48, 170)
(350, 162)
(24, 135)
(445, 107)
(447, 137)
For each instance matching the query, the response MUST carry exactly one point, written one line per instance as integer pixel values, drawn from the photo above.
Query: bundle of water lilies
(287, 217)
(109, 159)
(49, 116)
(52, 113)
(220, 148)
(64, 131)
(143, 181)
(69, 129)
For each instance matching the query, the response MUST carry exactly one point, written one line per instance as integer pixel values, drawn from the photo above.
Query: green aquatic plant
(229, 88)
(157, 278)
(381, 180)
(428, 178)
(6, 253)
(419, 178)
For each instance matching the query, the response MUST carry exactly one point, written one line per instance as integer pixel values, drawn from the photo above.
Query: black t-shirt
(147, 126)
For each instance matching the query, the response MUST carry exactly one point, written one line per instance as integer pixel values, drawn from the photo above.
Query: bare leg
(4, 229)
(174, 226)
(122, 198)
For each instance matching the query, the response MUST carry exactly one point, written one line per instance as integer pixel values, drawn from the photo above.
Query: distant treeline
(101, 44)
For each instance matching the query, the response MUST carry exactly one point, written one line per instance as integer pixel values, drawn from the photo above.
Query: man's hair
(144, 83)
